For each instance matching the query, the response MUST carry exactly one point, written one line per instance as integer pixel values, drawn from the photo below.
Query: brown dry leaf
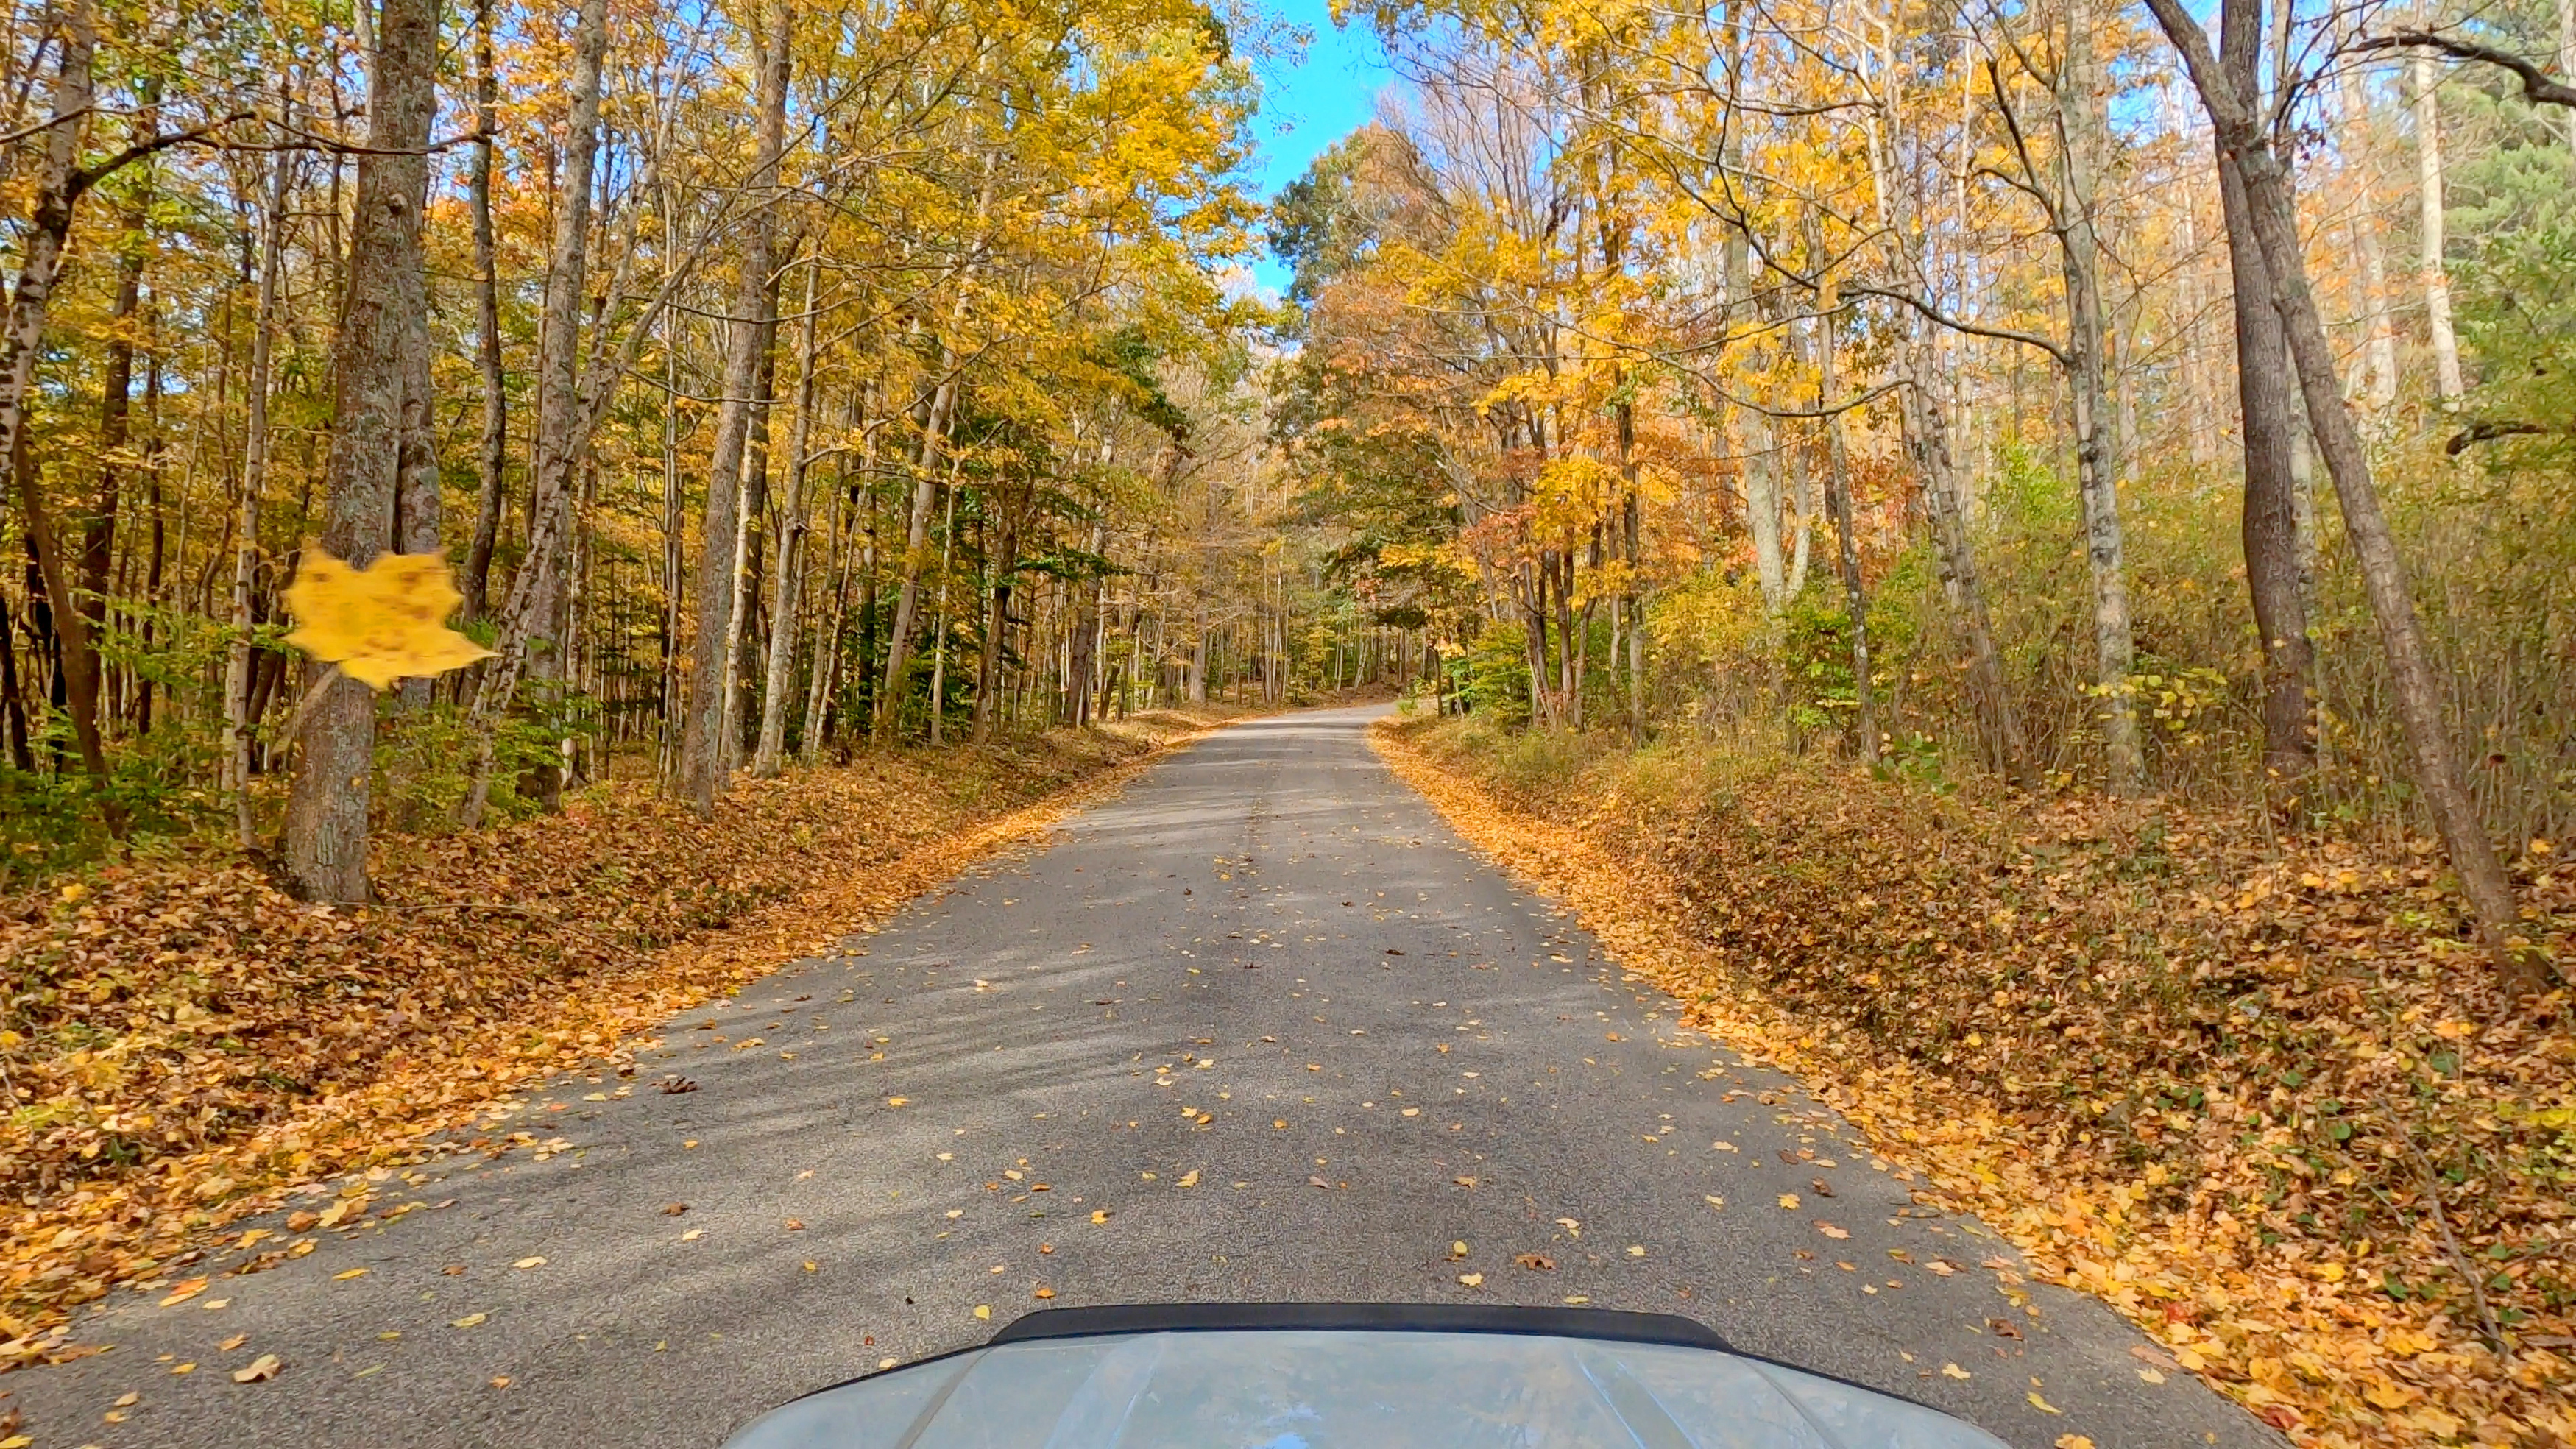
(234, 1342)
(795, 1225)
(1044, 1292)
(674, 1209)
(501, 1381)
(1535, 1262)
(1829, 1230)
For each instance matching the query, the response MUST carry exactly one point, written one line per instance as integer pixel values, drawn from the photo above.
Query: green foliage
(1496, 678)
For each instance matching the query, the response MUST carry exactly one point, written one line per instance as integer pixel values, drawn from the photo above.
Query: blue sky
(1309, 104)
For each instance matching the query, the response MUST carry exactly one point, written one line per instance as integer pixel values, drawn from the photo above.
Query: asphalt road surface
(1261, 1028)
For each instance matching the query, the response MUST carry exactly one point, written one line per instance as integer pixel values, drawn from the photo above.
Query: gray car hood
(1327, 1389)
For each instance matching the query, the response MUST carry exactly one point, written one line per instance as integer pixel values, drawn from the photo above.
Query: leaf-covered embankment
(180, 1039)
(2243, 1088)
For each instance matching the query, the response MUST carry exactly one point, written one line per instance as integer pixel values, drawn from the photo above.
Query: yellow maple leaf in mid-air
(381, 623)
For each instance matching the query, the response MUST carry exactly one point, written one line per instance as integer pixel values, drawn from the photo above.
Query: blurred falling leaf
(381, 623)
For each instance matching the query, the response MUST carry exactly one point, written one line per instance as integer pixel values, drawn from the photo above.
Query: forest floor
(2248, 1089)
(182, 1042)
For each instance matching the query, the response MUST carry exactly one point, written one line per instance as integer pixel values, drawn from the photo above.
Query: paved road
(1259, 1029)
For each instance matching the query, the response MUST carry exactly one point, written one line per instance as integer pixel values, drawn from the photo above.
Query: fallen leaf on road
(2003, 1328)
(1953, 1371)
(184, 1292)
(1536, 1262)
(1789, 1200)
(674, 1209)
(127, 1402)
(1045, 1293)
(1464, 1181)
(1100, 1215)
(501, 1381)
(984, 1311)
(795, 1225)
(2043, 1405)
(1636, 1250)
(352, 1273)
(2153, 1357)
(468, 1321)
(234, 1342)
(1829, 1230)
(1723, 1147)
(183, 1368)
(898, 1101)
(1572, 1228)
(692, 1235)
(258, 1370)
(1457, 1250)
(2151, 1376)
(1942, 1267)
(529, 1263)
(1713, 1200)
(1821, 1187)
(1472, 1280)
(1313, 1181)
(1188, 1179)
(2073, 1441)
(675, 1084)
(813, 1267)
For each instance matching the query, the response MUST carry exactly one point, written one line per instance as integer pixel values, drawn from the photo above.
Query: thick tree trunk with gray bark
(2273, 219)
(710, 682)
(326, 811)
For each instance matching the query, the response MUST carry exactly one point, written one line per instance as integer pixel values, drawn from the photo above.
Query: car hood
(1320, 1389)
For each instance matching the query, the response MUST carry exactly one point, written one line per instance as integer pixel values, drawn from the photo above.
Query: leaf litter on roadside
(267, 1042)
(2030, 1030)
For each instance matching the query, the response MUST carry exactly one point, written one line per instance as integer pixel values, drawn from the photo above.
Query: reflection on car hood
(1289, 1389)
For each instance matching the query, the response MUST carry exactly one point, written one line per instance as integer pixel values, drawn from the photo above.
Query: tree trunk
(2272, 212)
(530, 640)
(58, 186)
(934, 436)
(2096, 449)
(2379, 357)
(492, 453)
(1927, 440)
(787, 564)
(238, 719)
(702, 744)
(2422, 78)
(1838, 503)
(326, 811)
(2272, 486)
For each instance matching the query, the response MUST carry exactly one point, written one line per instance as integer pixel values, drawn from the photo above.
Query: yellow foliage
(381, 623)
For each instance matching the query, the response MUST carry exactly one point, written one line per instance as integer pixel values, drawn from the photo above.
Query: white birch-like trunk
(2423, 78)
